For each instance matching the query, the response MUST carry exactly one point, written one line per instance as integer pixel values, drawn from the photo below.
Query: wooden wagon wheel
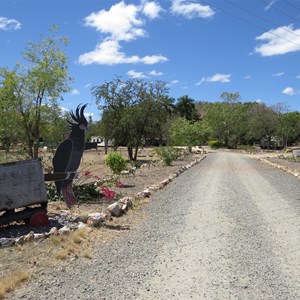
(38, 219)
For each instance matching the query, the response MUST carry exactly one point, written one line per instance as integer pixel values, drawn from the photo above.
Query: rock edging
(283, 168)
(96, 219)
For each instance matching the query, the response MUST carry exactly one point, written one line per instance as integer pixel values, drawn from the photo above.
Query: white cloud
(120, 23)
(269, 5)
(279, 41)
(278, 74)
(153, 59)
(289, 91)
(248, 77)
(155, 73)
(298, 76)
(135, 74)
(172, 82)
(151, 9)
(216, 78)
(191, 9)
(75, 92)
(9, 24)
(108, 53)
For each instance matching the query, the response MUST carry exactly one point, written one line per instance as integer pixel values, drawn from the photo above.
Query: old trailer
(23, 193)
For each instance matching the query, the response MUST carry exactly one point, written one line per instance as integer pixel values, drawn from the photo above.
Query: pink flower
(107, 193)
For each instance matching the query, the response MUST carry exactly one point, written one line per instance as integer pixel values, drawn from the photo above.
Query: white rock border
(283, 168)
(116, 209)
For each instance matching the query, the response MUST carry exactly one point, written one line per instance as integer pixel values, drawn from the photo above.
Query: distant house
(101, 142)
(273, 143)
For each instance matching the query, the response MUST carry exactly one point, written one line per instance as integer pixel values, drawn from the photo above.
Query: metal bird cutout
(69, 153)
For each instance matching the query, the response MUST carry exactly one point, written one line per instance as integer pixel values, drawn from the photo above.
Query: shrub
(247, 148)
(167, 154)
(215, 144)
(116, 162)
(83, 192)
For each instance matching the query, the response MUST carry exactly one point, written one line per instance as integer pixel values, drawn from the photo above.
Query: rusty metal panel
(21, 184)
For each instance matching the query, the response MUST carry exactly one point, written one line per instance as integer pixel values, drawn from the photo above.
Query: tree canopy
(133, 111)
(40, 80)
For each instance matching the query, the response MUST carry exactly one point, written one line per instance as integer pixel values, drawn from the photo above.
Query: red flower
(119, 184)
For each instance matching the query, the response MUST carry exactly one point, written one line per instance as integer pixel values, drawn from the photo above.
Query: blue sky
(199, 48)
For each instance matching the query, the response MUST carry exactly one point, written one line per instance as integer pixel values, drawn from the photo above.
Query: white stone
(115, 209)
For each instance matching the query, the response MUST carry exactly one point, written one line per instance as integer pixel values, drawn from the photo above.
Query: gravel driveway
(228, 228)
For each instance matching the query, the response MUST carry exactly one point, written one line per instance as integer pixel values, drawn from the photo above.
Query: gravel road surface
(228, 228)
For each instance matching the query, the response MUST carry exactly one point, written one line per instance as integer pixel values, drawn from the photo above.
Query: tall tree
(185, 107)
(289, 127)
(227, 119)
(41, 80)
(132, 111)
(264, 121)
(186, 133)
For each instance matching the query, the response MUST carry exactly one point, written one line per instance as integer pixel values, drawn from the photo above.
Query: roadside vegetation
(135, 112)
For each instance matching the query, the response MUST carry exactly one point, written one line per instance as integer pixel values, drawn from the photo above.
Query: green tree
(54, 126)
(132, 111)
(41, 80)
(227, 119)
(289, 127)
(10, 132)
(263, 124)
(185, 133)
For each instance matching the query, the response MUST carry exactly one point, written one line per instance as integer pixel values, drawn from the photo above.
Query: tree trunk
(136, 153)
(36, 149)
(105, 146)
(130, 152)
(30, 148)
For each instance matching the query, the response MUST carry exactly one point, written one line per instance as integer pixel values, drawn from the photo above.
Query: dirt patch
(149, 171)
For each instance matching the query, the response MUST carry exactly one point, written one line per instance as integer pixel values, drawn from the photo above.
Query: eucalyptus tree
(133, 110)
(40, 80)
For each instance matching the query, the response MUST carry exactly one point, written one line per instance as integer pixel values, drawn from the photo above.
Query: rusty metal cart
(23, 193)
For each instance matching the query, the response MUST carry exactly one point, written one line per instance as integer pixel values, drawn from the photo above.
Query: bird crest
(78, 117)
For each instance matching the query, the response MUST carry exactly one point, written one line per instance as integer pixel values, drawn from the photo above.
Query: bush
(116, 162)
(167, 154)
(215, 144)
(247, 148)
(84, 192)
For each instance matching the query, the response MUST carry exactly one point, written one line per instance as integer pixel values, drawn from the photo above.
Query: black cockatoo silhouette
(68, 154)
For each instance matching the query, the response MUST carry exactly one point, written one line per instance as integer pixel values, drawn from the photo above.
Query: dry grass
(12, 281)
(20, 263)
